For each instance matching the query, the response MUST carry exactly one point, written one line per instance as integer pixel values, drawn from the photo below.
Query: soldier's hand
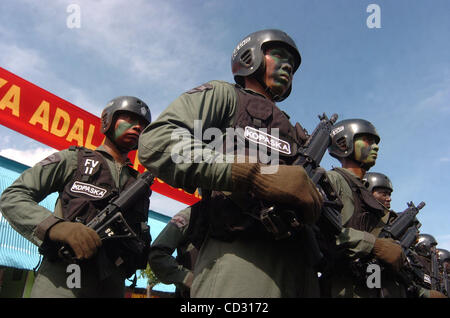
(283, 184)
(436, 294)
(389, 252)
(188, 279)
(83, 240)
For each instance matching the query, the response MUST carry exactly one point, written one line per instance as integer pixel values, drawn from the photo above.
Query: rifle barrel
(137, 189)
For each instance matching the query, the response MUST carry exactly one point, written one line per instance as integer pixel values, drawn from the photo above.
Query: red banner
(43, 116)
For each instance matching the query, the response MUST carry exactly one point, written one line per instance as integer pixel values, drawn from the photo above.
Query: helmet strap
(110, 135)
(362, 165)
(120, 149)
(260, 80)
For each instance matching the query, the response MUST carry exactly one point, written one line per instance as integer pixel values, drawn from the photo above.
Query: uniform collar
(103, 151)
(261, 95)
(250, 91)
(351, 173)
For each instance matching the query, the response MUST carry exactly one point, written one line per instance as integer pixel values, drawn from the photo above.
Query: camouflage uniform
(20, 208)
(252, 265)
(356, 244)
(168, 269)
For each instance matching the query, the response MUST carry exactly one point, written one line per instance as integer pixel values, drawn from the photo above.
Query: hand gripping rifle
(435, 281)
(404, 230)
(444, 285)
(275, 218)
(413, 272)
(402, 223)
(109, 222)
(310, 156)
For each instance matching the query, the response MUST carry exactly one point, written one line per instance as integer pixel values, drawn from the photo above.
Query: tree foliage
(147, 273)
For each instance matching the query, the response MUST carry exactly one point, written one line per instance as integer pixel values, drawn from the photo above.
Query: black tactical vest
(90, 190)
(92, 187)
(425, 266)
(258, 122)
(368, 211)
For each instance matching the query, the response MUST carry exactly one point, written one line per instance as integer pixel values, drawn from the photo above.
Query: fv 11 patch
(91, 166)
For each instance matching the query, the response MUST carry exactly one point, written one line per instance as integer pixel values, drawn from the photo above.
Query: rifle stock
(435, 283)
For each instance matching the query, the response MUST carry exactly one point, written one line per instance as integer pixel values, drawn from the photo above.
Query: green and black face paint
(123, 127)
(280, 76)
(365, 151)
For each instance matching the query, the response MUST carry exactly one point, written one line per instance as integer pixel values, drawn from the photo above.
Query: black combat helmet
(344, 133)
(424, 244)
(124, 104)
(444, 255)
(377, 180)
(248, 56)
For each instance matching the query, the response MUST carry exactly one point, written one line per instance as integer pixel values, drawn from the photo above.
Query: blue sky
(396, 76)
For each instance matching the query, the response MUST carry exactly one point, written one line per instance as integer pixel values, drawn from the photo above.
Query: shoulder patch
(53, 158)
(201, 88)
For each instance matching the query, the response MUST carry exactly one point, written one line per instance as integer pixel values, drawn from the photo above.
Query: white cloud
(82, 99)
(5, 140)
(438, 97)
(28, 64)
(147, 39)
(158, 202)
(21, 61)
(440, 100)
(142, 44)
(27, 157)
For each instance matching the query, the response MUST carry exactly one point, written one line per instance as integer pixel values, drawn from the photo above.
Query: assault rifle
(275, 218)
(402, 223)
(435, 282)
(109, 222)
(310, 156)
(404, 230)
(413, 268)
(413, 273)
(444, 285)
